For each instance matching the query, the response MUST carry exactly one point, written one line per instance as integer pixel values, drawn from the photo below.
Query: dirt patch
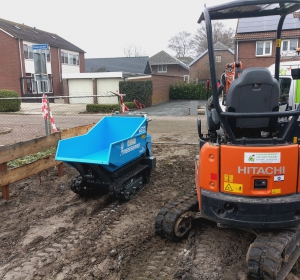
(48, 232)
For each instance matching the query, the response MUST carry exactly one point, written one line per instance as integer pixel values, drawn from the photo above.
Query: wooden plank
(75, 131)
(5, 192)
(3, 167)
(17, 174)
(60, 169)
(22, 149)
(5, 189)
(9, 153)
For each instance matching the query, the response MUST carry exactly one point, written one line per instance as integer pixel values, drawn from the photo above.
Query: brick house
(255, 40)
(199, 67)
(17, 69)
(163, 63)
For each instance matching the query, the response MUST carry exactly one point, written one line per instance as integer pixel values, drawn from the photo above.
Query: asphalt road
(172, 108)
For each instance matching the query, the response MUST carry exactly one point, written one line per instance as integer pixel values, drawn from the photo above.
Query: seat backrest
(254, 91)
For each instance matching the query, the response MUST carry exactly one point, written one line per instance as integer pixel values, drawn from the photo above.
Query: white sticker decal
(278, 178)
(131, 142)
(142, 129)
(130, 149)
(262, 157)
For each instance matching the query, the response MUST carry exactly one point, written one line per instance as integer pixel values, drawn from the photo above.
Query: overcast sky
(103, 28)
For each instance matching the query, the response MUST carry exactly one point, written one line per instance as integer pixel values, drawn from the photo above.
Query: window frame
(289, 44)
(36, 87)
(71, 58)
(25, 49)
(264, 48)
(218, 58)
(28, 52)
(46, 84)
(162, 68)
(186, 78)
(48, 55)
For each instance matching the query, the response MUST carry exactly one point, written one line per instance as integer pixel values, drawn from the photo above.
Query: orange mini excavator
(247, 173)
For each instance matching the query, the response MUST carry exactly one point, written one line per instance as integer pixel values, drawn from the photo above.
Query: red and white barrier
(124, 107)
(45, 112)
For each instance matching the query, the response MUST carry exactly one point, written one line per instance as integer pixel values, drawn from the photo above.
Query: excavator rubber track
(171, 223)
(273, 254)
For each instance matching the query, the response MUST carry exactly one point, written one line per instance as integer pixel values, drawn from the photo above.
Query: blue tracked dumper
(115, 156)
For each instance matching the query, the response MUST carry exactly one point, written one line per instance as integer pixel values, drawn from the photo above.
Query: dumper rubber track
(129, 184)
(174, 220)
(273, 254)
(78, 186)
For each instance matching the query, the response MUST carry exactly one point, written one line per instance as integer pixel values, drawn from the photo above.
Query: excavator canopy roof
(251, 8)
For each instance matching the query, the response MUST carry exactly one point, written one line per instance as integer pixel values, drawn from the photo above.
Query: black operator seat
(254, 91)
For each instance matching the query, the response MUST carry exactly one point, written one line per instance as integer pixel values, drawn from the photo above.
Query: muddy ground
(48, 232)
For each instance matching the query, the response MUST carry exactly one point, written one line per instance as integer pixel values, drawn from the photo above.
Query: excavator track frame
(273, 254)
(174, 220)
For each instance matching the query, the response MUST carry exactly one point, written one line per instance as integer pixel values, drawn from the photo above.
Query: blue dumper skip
(115, 146)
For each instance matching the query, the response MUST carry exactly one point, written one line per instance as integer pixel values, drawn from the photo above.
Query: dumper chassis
(122, 187)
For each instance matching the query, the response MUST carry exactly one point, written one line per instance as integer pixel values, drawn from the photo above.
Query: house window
(263, 48)
(44, 86)
(28, 54)
(64, 58)
(186, 78)
(69, 58)
(289, 45)
(48, 55)
(162, 68)
(218, 58)
(34, 86)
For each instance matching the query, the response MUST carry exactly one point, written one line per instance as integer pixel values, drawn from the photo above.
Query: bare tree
(181, 44)
(220, 32)
(133, 51)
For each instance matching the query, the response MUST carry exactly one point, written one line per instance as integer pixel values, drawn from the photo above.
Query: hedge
(9, 105)
(130, 105)
(139, 90)
(188, 91)
(107, 108)
(102, 108)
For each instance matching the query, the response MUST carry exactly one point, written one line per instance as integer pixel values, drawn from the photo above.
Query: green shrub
(102, 108)
(139, 90)
(188, 91)
(9, 105)
(130, 105)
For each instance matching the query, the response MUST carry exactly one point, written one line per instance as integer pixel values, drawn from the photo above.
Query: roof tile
(266, 35)
(164, 58)
(137, 65)
(34, 35)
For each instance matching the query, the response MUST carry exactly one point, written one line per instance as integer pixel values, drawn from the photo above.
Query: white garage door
(80, 88)
(104, 88)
